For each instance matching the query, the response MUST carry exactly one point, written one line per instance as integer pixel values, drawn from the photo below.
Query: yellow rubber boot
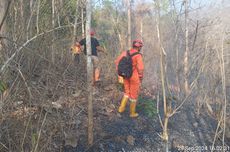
(124, 101)
(133, 113)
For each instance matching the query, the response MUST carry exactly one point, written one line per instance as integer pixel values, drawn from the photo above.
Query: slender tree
(75, 22)
(37, 17)
(53, 37)
(22, 15)
(162, 68)
(223, 77)
(186, 65)
(2, 15)
(89, 73)
(82, 19)
(129, 22)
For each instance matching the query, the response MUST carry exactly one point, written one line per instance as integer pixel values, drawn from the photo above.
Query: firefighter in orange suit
(132, 85)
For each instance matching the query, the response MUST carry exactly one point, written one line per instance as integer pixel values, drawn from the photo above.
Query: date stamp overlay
(204, 148)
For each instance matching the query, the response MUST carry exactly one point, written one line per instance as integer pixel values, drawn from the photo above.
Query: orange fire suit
(132, 85)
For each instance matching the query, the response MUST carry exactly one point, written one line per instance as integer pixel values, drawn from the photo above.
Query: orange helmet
(92, 32)
(137, 43)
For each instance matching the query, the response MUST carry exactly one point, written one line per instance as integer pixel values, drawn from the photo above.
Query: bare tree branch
(5, 14)
(26, 43)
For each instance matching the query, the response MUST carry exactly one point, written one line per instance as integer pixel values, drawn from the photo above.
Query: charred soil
(62, 126)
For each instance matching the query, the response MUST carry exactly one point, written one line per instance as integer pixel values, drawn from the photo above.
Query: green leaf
(148, 105)
(3, 86)
(34, 139)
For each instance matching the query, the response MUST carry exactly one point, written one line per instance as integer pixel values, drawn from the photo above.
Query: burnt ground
(119, 132)
(63, 126)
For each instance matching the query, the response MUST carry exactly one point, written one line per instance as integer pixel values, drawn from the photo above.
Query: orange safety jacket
(132, 84)
(138, 65)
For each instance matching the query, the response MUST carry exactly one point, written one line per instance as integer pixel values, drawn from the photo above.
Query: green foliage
(147, 105)
(110, 19)
(3, 86)
(163, 5)
(34, 139)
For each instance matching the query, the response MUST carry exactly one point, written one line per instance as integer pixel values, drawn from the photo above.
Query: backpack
(125, 65)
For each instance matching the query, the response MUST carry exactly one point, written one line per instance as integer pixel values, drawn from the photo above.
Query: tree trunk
(3, 13)
(31, 5)
(4, 8)
(61, 3)
(82, 21)
(162, 66)
(22, 17)
(75, 23)
(141, 27)
(28, 27)
(223, 77)
(2, 16)
(141, 31)
(129, 23)
(58, 7)
(186, 66)
(37, 18)
(53, 37)
(89, 73)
